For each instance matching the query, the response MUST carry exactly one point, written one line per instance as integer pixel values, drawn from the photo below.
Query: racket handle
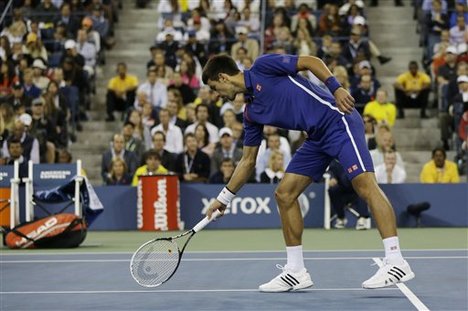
(205, 221)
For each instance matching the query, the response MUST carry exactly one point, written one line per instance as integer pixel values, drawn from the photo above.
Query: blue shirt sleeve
(253, 132)
(276, 64)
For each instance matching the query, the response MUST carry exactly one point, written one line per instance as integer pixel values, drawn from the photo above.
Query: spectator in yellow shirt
(121, 91)
(152, 167)
(412, 90)
(380, 109)
(439, 170)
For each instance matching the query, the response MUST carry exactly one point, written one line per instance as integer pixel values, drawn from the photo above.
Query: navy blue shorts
(344, 141)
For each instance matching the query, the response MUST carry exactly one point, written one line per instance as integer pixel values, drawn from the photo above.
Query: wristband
(225, 196)
(332, 84)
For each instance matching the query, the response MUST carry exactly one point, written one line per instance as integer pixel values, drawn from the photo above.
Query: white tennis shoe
(389, 275)
(287, 281)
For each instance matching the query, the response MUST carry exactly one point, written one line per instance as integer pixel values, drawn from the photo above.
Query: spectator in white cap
(29, 143)
(71, 52)
(244, 41)
(39, 79)
(225, 149)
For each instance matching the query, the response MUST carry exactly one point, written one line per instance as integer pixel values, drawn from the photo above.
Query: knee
(284, 198)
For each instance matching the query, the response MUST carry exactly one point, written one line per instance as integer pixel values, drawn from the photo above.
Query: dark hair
(151, 153)
(129, 123)
(413, 63)
(189, 135)
(206, 139)
(219, 64)
(13, 140)
(439, 149)
(202, 105)
(160, 133)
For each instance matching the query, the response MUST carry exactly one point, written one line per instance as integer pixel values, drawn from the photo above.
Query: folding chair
(49, 176)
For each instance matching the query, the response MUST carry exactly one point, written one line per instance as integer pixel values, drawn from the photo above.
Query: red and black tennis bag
(55, 231)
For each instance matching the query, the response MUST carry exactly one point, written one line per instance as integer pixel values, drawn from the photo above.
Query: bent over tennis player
(277, 95)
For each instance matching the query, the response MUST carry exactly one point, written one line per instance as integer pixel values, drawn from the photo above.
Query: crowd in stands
(172, 123)
(49, 51)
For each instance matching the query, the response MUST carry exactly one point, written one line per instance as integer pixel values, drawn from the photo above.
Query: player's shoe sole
(287, 281)
(389, 275)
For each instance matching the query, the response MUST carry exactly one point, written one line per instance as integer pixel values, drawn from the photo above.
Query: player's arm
(344, 101)
(241, 175)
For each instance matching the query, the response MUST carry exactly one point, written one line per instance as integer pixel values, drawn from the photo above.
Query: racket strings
(155, 262)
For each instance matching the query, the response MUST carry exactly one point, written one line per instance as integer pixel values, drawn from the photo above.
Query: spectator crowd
(172, 123)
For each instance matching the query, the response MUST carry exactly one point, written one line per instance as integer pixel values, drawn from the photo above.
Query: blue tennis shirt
(277, 95)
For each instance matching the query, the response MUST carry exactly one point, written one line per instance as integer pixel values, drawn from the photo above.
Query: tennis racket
(156, 261)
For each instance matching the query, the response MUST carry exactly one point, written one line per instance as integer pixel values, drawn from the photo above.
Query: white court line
(217, 259)
(31, 253)
(234, 290)
(420, 306)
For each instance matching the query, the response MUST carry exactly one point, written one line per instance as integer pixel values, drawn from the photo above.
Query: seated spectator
(30, 143)
(152, 167)
(175, 108)
(34, 47)
(221, 39)
(412, 90)
(188, 94)
(439, 169)
(187, 73)
(369, 131)
(435, 21)
(168, 28)
(384, 142)
(132, 143)
(459, 32)
(148, 115)
(330, 21)
(225, 149)
(93, 35)
(117, 150)
(273, 144)
(389, 172)
(381, 109)
(202, 135)
(120, 91)
(342, 194)
(18, 97)
(30, 89)
(304, 44)
(44, 130)
(167, 158)
(118, 174)
(155, 90)
(194, 47)
(158, 63)
(56, 109)
(224, 173)
(305, 13)
(244, 41)
(141, 132)
(15, 151)
(193, 165)
(87, 50)
(70, 22)
(202, 115)
(363, 93)
(173, 133)
(274, 171)
(39, 79)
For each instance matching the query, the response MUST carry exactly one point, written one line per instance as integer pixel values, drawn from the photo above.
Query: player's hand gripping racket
(156, 261)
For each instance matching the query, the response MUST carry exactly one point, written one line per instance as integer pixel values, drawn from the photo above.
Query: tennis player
(277, 95)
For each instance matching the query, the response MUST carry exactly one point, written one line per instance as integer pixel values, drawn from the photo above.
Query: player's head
(218, 74)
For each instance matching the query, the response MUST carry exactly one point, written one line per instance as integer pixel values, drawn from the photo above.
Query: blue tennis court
(228, 281)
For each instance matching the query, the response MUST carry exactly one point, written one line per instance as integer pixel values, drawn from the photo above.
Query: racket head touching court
(156, 261)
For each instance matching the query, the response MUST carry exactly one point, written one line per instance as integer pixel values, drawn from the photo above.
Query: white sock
(295, 258)
(392, 250)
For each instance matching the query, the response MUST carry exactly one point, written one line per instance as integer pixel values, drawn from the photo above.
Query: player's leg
(286, 194)
(395, 269)
(307, 164)
(366, 187)
(357, 162)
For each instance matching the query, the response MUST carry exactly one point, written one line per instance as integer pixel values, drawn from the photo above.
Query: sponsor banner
(6, 173)
(158, 203)
(52, 175)
(253, 207)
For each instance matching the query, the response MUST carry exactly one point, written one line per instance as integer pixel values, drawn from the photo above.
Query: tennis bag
(55, 231)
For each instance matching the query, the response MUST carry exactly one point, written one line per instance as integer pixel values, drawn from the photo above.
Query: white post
(29, 193)
(78, 181)
(14, 206)
(327, 205)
